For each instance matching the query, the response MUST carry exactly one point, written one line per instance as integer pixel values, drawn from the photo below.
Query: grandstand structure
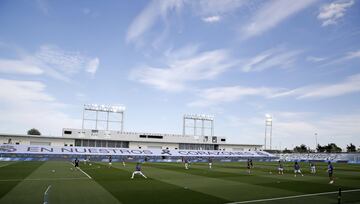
(320, 157)
(110, 136)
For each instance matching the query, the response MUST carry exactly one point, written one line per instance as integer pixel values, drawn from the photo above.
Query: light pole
(316, 141)
(107, 109)
(199, 117)
(268, 125)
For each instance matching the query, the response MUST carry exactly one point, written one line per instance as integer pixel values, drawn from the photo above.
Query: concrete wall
(146, 144)
(135, 136)
(21, 140)
(152, 145)
(239, 147)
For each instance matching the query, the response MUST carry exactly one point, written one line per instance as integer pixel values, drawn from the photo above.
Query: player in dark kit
(281, 168)
(110, 161)
(297, 169)
(138, 171)
(210, 163)
(76, 163)
(249, 166)
(330, 171)
(312, 168)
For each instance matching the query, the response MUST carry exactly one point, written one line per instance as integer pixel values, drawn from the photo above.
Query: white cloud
(348, 86)
(25, 105)
(352, 55)
(341, 125)
(157, 11)
(86, 11)
(271, 14)
(331, 13)
(81, 96)
(179, 69)
(295, 128)
(66, 62)
(50, 60)
(287, 130)
(219, 95)
(339, 128)
(212, 19)
(212, 11)
(89, 12)
(273, 58)
(93, 65)
(187, 51)
(148, 17)
(19, 67)
(14, 90)
(348, 56)
(315, 59)
(215, 7)
(43, 5)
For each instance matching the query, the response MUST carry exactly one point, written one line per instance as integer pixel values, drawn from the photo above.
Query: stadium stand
(320, 157)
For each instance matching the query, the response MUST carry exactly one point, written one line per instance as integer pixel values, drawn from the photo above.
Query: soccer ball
(90, 164)
(53, 171)
(270, 172)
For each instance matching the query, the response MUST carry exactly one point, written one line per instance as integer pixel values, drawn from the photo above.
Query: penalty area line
(291, 197)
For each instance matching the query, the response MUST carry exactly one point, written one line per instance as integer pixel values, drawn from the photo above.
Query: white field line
(291, 197)
(83, 172)
(48, 188)
(46, 196)
(92, 168)
(44, 179)
(6, 165)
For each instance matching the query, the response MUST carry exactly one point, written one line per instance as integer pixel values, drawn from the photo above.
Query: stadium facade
(132, 140)
(201, 136)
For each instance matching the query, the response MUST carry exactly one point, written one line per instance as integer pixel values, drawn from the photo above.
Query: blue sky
(237, 60)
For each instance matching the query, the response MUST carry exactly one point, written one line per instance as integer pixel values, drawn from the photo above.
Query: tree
(351, 148)
(332, 148)
(287, 151)
(33, 131)
(301, 149)
(320, 148)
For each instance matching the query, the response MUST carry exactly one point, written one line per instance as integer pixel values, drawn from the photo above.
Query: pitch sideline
(83, 171)
(44, 179)
(291, 197)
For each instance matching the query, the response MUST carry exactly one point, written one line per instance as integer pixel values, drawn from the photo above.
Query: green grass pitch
(26, 182)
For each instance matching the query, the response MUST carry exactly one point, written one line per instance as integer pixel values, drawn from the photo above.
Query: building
(132, 140)
(95, 137)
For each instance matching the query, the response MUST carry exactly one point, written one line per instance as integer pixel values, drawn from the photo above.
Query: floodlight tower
(198, 117)
(268, 129)
(108, 109)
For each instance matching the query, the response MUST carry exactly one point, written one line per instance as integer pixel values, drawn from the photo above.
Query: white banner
(24, 149)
